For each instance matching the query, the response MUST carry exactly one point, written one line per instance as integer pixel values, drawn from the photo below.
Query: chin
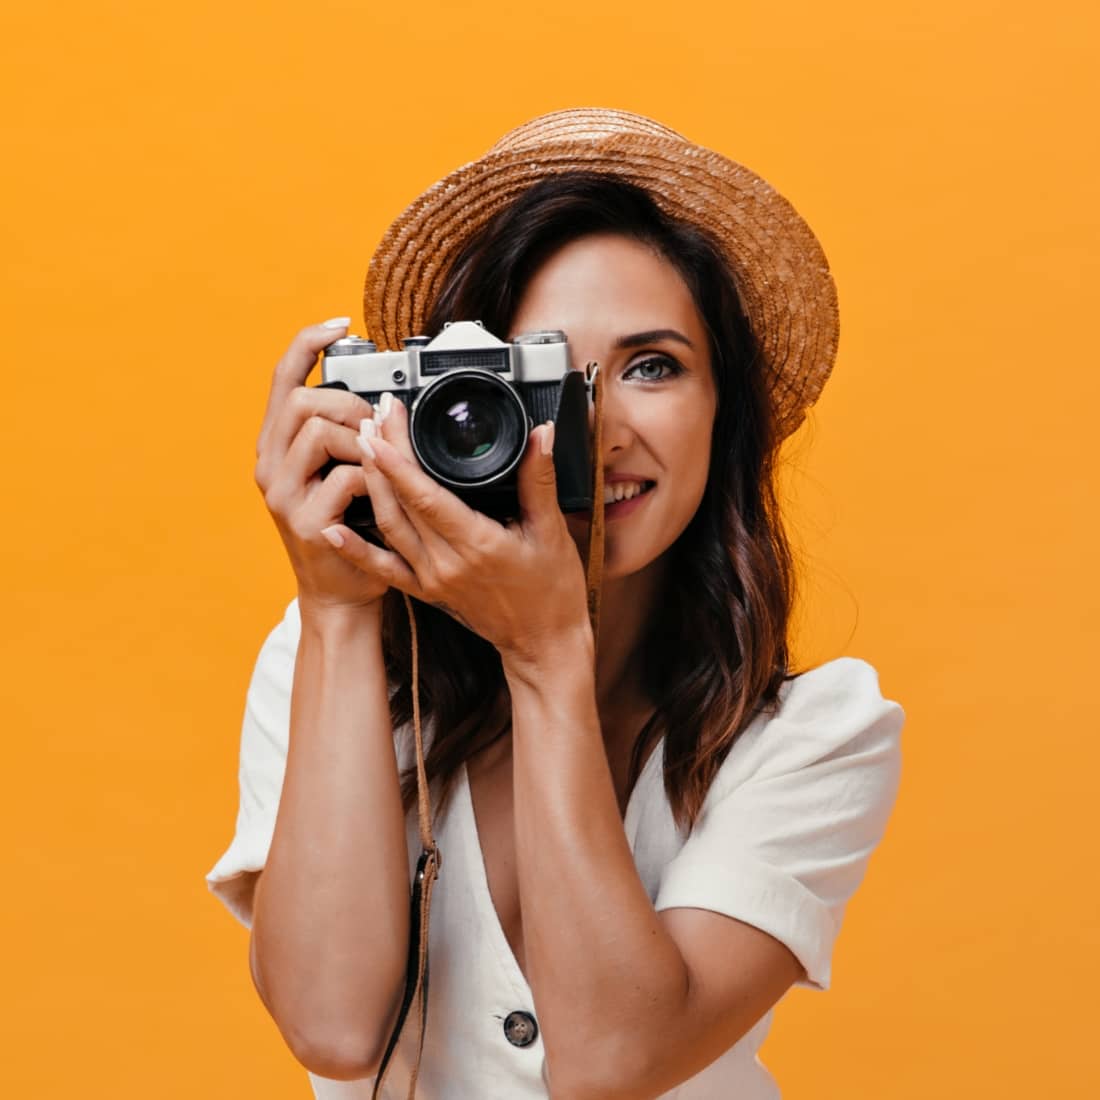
(620, 559)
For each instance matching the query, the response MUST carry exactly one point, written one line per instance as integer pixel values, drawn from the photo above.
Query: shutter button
(520, 1029)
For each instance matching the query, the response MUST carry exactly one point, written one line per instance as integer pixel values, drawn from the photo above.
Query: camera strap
(594, 570)
(430, 862)
(427, 871)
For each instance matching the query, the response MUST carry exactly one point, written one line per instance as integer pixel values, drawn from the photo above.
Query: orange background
(186, 186)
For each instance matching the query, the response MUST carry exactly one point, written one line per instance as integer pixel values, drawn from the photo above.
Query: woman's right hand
(304, 426)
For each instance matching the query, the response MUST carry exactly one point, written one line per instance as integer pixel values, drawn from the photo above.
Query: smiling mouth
(625, 490)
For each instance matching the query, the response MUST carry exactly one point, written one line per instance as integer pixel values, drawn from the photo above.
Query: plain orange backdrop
(186, 186)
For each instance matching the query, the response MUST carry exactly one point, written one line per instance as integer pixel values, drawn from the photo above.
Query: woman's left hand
(520, 586)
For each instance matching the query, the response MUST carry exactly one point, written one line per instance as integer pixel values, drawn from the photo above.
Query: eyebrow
(654, 336)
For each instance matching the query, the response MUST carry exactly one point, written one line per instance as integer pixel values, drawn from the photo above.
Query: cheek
(692, 446)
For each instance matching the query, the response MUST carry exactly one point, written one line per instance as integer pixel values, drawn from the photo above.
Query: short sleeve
(265, 734)
(790, 822)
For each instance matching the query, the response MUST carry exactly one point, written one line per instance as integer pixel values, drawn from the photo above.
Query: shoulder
(834, 714)
(798, 806)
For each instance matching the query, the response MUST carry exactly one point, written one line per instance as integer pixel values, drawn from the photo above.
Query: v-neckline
(480, 883)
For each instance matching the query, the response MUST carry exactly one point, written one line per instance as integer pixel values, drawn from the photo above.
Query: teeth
(622, 490)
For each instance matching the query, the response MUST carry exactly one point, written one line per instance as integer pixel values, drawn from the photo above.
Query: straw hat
(779, 267)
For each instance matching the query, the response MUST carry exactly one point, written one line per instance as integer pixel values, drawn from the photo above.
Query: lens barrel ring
(468, 428)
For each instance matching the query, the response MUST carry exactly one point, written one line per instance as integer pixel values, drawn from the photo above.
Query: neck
(627, 606)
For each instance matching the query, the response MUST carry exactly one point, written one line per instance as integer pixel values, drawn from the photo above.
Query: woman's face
(624, 306)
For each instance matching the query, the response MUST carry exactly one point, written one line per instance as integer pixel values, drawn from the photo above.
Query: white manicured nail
(367, 431)
(333, 536)
(385, 403)
(336, 322)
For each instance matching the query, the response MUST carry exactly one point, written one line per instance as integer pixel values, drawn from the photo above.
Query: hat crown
(582, 124)
(781, 274)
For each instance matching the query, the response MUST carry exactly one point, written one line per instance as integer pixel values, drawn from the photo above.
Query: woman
(644, 843)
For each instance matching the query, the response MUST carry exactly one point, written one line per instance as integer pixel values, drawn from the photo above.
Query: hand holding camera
(463, 406)
(454, 454)
(305, 429)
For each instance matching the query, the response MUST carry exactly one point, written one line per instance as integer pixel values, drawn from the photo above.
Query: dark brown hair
(717, 652)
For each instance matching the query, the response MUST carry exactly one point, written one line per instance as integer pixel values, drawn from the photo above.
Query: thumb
(537, 480)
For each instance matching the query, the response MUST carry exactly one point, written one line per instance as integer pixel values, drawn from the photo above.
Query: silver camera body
(472, 399)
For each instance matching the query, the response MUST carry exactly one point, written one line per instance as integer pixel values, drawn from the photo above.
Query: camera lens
(469, 428)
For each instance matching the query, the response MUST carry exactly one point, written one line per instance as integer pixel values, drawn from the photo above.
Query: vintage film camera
(472, 401)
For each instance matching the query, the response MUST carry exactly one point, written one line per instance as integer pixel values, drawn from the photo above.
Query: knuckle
(356, 406)
(483, 545)
(447, 576)
(315, 428)
(305, 337)
(432, 589)
(349, 478)
(274, 500)
(299, 400)
(384, 520)
(425, 501)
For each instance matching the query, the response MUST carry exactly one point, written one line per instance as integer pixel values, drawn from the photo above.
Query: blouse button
(520, 1029)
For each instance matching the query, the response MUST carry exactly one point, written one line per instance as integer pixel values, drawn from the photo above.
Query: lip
(611, 478)
(622, 508)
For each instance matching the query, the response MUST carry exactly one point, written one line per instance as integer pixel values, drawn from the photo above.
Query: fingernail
(336, 322)
(333, 535)
(546, 443)
(385, 403)
(367, 431)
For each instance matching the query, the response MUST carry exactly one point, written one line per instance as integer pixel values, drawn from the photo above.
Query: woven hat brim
(778, 265)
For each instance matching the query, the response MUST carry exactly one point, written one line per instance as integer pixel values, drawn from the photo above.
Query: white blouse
(782, 843)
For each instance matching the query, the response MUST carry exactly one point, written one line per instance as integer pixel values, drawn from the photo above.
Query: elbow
(333, 1048)
(618, 1073)
(330, 1036)
(339, 1050)
(334, 1057)
(593, 1089)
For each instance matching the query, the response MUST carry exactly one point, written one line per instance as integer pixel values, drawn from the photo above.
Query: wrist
(547, 661)
(339, 619)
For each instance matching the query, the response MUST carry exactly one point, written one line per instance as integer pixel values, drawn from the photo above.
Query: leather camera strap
(594, 570)
(430, 862)
(427, 870)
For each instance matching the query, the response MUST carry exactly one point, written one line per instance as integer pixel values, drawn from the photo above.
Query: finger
(328, 501)
(318, 441)
(390, 517)
(384, 564)
(427, 503)
(339, 406)
(298, 360)
(393, 422)
(537, 482)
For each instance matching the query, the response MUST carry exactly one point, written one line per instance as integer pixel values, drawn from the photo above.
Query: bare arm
(330, 914)
(632, 1002)
(330, 924)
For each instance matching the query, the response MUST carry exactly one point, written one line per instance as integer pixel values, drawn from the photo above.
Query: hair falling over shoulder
(717, 655)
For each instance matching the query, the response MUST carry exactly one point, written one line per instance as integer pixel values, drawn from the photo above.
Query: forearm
(330, 925)
(608, 980)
